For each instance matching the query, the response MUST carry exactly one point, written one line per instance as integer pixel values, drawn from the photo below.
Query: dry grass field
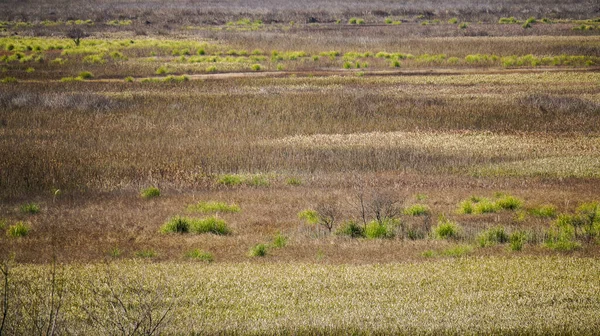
(313, 167)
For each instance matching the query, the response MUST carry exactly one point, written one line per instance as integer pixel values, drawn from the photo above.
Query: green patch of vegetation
(256, 67)
(446, 229)
(507, 20)
(463, 25)
(30, 208)
(200, 255)
(492, 237)
(7, 80)
(129, 79)
(212, 206)
(17, 230)
(258, 250)
(543, 211)
(293, 181)
(30, 70)
(279, 241)
(417, 210)
(211, 68)
(457, 251)
(94, 59)
(230, 180)
(380, 229)
(162, 70)
(453, 21)
(509, 202)
(351, 229)
(70, 79)
(309, 215)
(86, 75)
(150, 192)
(516, 240)
(119, 22)
(177, 225)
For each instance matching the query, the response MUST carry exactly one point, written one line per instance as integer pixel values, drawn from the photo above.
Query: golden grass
(448, 296)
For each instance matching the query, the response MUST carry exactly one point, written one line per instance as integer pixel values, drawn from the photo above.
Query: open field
(299, 167)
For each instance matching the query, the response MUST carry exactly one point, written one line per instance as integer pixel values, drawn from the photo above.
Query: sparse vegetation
(30, 208)
(17, 230)
(446, 229)
(150, 192)
(212, 206)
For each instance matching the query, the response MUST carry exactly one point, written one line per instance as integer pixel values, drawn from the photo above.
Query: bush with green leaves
(212, 206)
(380, 229)
(517, 239)
(293, 181)
(279, 240)
(446, 229)
(417, 210)
(543, 211)
(230, 180)
(562, 234)
(508, 202)
(177, 224)
(150, 192)
(457, 251)
(351, 229)
(492, 237)
(198, 254)
(258, 250)
(30, 208)
(17, 230)
(212, 225)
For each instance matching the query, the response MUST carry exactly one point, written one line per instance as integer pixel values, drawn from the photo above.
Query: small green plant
(162, 70)
(150, 192)
(176, 225)
(229, 180)
(200, 255)
(211, 206)
(309, 215)
(258, 250)
(210, 225)
(526, 25)
(279, 241)
(280, 67)
(114, 252)
(485, 206)
(129, 79)
(30, 70)
(293, 181)
(428, 254)
(351, 229)
(453, 21)
(508, 202)
(86, 75)
(465, 207)
(544, 211)
(7, 80)
(507, 20)
(257, 181)
(146, 254)
(417, 210)
(347, 65)
(255, 67)
(352, 21)
(201, 52)
(492, 237)
(463, 25)
(30, 208)
(211, 68)
(388, 20)
(380, 229)
(17, 230)
(360, 21)
(446, 229)
(517, 240)
(561, 236)
(395, 64)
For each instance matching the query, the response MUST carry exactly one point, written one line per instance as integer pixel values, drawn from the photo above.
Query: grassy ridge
(470, 295)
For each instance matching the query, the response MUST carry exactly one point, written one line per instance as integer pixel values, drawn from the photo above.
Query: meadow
(336, 168)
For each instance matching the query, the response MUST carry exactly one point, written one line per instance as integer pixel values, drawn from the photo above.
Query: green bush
(352, 21)
(150, 192)
(30, 208)
(230, 180)
(255, 67)
(457, 251)
(162, 70)
(279, 241)
(351, 229)
(293, 181)
(453, 21)
(211, 206)
(446, 229)
(177, 225)
(129, 79)
(507, 20)
(485, 206)
(395, 64)
(9, 80)
(517, 240)
(309, 215)
(210, 225)
(377, 230)
(561, 236)
(200, 255)
(509, 203)
(417, 210)
(20, 229)
(347, 65)
(211, 68)
(492, 237)
(360, 21)
(543, 211)
(463, 25)
(258, 250)
(257, 181)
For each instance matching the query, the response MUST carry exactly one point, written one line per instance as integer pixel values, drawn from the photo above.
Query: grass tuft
(212, 206)
(258, 250)
(177, 225)
(417, 210)
(351, 229)
(150, 192)
(446, 229)
(20, 229)
(200, 255)
(30, 208)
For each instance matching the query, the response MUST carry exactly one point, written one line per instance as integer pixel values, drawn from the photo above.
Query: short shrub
(446, 229)
(347, 65)
(388, 21)
(129, 79)
(428, 254)
(352, 21)
(162, 70)
(211, 206)
(30, 70)
(561, 236)
(30, 208)
(509, 203)
(351, 229)
(20, 229)
(258, 250)
(517, 240)
(309, 215)
(544, 211)
(9, 80)
(417, 210)
(229, 180)
(395, 64)
(280, 67)
(150, 192)
(211, 68)
(200, 255)
(279, 241)
(377, 230)
(453, 21)
(177, 225)
(86, 75)
(210, 225)
(360, 21)
(492, 237)
(257, 181)
(255, 67)
(463, 25)
(485, 206)
(465, 207)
